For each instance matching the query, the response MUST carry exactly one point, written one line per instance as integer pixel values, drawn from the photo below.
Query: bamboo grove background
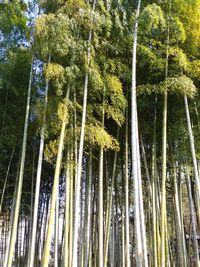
(99, 133)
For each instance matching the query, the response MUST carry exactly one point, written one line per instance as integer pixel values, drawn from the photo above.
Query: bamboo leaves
(176, 85)
(152, 18)
(98, 136)
(52, 34)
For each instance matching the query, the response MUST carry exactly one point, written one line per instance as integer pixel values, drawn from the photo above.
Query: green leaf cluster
(152, 19)
(12, 17)
(63, 110)
(97, 135)
(55, 73)
(51, 149)
(176, 85)
(52, 35)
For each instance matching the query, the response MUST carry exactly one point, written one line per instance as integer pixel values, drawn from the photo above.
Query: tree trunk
(38, 178)
(46, 253)
(21, 174)
(108, 212)
(192, 146)
(193, 219)
(164, 165)
(80, 155)
(140, 235)
(127, 252)
(178, 222)
(88, 214)
(67, 205)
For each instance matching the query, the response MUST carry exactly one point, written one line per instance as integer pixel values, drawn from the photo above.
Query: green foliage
(114, 87)
(63, 110)
(71, 73)
(194, 69)
(1, 84)
(95, 78)
(117, 67)
(118, 102)
(39, 112)
(12, 17)
(176, 85)
(179, 58)
(81, 16)
(50, 6)
(97, 135)
(115, 113)
(180, 85)
(149, 58)
(55, 73)
(188, 12)
(51, 150)
(152, 19)
(78, 13)
(177, 30)
(17, 64)
(52, 34)
(54, 126)
(147, 89)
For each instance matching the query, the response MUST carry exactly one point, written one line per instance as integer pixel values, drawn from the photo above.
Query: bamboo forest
(99, 133)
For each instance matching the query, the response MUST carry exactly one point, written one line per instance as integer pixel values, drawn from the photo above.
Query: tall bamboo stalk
(193, 219)
(67, 215)
(127, 253)
(38, 179)
(80, 154)
(138, 240)
(21, 173)
(46, 253)
(192, 146)
(109, 209)
(164, 161)
(88, 214)
(140, 234)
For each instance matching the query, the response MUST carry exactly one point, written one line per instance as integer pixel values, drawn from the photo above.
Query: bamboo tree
(67, 199)
(154, 197)
(81, 227)
(179, 229)
(21, 173)
(88, 214)
(46, 253)
(38, 179)
(31, 208)
(56, 232)
(164, 162)
(80, 154)
(100, 210)
(192, 146)
(108, 212)
(193, 219)
(138, 241)
(71, 213)
(140, 235)
(122, 236)
(113, 237)
(142, 219)
(127, 254)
